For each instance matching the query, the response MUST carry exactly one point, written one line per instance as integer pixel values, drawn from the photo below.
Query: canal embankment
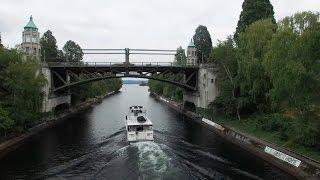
(13, 141)
(293, 163)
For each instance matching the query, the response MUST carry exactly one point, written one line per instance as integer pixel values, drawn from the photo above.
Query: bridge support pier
(207, 89)
(51, 100)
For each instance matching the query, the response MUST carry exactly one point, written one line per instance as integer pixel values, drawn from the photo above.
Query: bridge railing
(115, 64)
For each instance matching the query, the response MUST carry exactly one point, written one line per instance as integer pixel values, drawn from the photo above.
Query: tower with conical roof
(192, 53)
(31, 40)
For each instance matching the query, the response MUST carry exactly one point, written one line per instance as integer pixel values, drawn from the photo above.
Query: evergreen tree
(49, 48)
(73, 52)
(253, 10)
(180, 58)
(1, 46)
(203, 43)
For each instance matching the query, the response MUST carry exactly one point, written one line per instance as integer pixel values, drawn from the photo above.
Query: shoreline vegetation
(15, 139)
(309, 167)
(21, 87)
(268, 78)
(252, 126)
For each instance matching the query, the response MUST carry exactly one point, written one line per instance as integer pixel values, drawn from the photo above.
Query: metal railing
(115, 64)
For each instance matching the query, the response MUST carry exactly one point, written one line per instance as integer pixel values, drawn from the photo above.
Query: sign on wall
(211, 123)
(284, 157)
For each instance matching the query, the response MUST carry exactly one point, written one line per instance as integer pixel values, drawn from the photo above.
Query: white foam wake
(153, 162)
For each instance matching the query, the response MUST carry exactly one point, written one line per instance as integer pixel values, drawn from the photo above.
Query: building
(192, 53)
(30, 40)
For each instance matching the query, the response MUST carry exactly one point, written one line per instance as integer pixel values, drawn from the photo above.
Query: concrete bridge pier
(207, 89)
(52, 100)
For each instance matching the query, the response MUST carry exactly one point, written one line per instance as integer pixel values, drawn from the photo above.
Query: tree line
(21, 83)
(269, 72)
(20, 91)
(72, 52)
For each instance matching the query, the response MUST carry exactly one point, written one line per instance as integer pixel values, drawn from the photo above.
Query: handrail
(115, 64)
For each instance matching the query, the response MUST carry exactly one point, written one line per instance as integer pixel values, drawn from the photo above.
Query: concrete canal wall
(48, 122)
(297, 165)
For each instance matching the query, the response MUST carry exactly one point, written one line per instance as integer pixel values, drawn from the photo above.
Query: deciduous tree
(180, 57)
(251, 77)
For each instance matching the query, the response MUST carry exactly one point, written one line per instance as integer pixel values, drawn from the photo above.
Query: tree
(224, 56)
(25, 85)
(180, 57)
(251, 78)
(61, 57)
(203, 43)
(72, 51)
(1, 46)
(6, 123)
(49, 48)
(292, 62)
(252, 11)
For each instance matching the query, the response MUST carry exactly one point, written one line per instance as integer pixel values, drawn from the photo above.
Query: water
(92, 145)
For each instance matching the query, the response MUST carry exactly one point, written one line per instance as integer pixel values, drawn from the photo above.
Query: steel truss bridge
(69, 74)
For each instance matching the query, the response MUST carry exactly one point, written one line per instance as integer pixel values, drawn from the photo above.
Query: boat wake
(114, 158)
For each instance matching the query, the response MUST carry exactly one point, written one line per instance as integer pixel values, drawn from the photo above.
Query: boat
(138, 126)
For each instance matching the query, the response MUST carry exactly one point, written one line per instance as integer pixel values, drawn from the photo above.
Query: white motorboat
(138, 126)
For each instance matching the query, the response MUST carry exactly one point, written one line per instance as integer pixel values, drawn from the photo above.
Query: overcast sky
(157, 24)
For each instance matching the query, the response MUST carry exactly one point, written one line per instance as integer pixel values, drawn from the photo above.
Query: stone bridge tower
(206, 83)
(192, 53)
(31, 47)
(31, 40)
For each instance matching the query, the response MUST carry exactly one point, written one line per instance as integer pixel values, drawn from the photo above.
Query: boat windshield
(139, 128)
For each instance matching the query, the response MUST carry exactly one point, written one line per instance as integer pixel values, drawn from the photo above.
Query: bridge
(198, 80)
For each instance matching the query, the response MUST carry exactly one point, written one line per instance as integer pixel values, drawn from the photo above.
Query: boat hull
(140, 136)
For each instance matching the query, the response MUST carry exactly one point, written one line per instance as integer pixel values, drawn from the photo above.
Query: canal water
(92, 145)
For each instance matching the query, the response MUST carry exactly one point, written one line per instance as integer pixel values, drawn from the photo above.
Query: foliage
(180, 57)
(273, 77)
(49, 48)
(252, 11)
(292, 62)
(95, 89)
(5, 120)
(224, 56)
(165, 89)
(23, 83)
(72, 52)
(251, 77)
(203, 43)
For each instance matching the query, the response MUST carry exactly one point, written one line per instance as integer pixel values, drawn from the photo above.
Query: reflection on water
(92, 145)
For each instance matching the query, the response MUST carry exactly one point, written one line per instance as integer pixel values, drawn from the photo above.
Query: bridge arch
(176, 83)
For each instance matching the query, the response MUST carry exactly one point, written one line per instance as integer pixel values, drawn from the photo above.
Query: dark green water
(92, 145)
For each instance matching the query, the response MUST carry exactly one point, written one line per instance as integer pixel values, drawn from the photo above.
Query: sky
(148, 24)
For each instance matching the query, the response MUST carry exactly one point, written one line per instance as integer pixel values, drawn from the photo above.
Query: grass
(249, 126)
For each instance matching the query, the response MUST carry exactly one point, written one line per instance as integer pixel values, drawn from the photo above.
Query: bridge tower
(31, 40)
(30, 46)
(207, 90)
(206, 83)
(192, 53)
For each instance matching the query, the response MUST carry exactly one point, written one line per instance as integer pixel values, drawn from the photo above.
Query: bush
(304, 133)
(6, 123)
